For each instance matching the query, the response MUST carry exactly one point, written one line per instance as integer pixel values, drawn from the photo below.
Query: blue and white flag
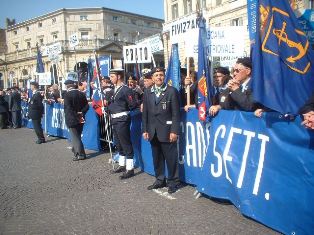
(173, 76)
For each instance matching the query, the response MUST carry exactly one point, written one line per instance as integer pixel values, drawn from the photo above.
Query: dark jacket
(36, 107)
(74, 102)
(3, 105)
(237, 100)
(15, 101)
(161, 116)
(122, 100)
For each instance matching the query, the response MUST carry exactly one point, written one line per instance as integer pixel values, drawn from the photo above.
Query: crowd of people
(160, 104)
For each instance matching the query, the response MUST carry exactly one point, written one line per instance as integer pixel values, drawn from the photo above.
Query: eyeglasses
(219, 76)
(235, 70)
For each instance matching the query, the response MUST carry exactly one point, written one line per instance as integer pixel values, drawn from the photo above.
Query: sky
(23, 10)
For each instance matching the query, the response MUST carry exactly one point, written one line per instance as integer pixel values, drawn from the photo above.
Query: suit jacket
(238, 100)
(161, 116)
(3, 105)
(15, 101)
(308, 106)
(36, 107)
(74, 101)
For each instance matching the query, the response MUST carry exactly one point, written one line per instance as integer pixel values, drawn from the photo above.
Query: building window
(28, 45)
(187, 6)
(203, 3)
(41, 41)
(116, 36)
(16, 47)
(40, 24)
(175, 11)
(83, 17)
(133, 21)
(27, 28)
(218, 2)
(53, 20)
(115, 18)
(54, 37)
(84, 36)
(15, 32)
(237, 22)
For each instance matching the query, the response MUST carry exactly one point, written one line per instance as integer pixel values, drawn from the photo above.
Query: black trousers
(17, 119)
(3, 121)
(38, 129)
(78, 147)
(165, 152)
(122, 136)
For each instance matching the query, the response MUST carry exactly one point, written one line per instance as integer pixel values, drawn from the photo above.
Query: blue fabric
(173, 76)
(282, 59)
(205, 90)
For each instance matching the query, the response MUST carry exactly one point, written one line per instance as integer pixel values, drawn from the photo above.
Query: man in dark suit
(161, 125)
(36, 111)
(3, 111)
(121, 102)
(238, 95)
(15, 108)
(75, 108)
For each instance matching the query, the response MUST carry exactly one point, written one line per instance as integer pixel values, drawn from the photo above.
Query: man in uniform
(36, 111)
(161, 125)
(75, 108)
(120, 104)
(15, 108)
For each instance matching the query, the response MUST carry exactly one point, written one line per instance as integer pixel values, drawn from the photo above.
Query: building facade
(218, 13)
(102, 30)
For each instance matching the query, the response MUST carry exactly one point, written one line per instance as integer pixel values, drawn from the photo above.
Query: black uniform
(161, 116)
(121, 102)
(35, 112)
(3, 112)
(75, 108)
(15, 108)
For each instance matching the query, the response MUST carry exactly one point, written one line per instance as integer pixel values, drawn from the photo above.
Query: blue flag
(204, 86)
(173, 76)
(283, 73)
(89, 77)
(104, 65)
(40, 65)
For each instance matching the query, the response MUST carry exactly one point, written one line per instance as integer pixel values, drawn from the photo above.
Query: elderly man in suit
(161, 125)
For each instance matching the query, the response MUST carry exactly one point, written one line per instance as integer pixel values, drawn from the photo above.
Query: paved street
(42, 191)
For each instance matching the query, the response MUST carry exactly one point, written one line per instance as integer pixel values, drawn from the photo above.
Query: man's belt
(117, 115)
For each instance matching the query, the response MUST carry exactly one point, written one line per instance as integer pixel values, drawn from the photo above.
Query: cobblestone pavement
(42, 191)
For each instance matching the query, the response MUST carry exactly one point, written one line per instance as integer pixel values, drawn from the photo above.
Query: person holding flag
(121, 102)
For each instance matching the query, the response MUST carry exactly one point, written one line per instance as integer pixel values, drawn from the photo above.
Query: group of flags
(282, 59)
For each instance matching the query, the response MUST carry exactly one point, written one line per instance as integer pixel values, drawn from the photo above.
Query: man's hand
(145, 135)
(233, 85)
(173, 137)
(258, 112)
(214, 109)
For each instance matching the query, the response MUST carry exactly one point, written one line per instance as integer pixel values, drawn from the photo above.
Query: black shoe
(80, 157)
(127, 174)
(75, 158)
(118, 170)
(172, 189)
(40, 141)
(157, 184)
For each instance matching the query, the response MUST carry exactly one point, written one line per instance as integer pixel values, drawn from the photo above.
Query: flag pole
(187, 88)
(98, 79)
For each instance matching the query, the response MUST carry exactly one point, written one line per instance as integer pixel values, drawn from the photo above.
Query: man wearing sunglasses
(238, 95)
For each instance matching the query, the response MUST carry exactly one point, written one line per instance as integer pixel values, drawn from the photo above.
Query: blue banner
(283, 62)
(104, 65)
(265, 167)
(306, 21)
(252, 20)
(173, 77)
(55, 124)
